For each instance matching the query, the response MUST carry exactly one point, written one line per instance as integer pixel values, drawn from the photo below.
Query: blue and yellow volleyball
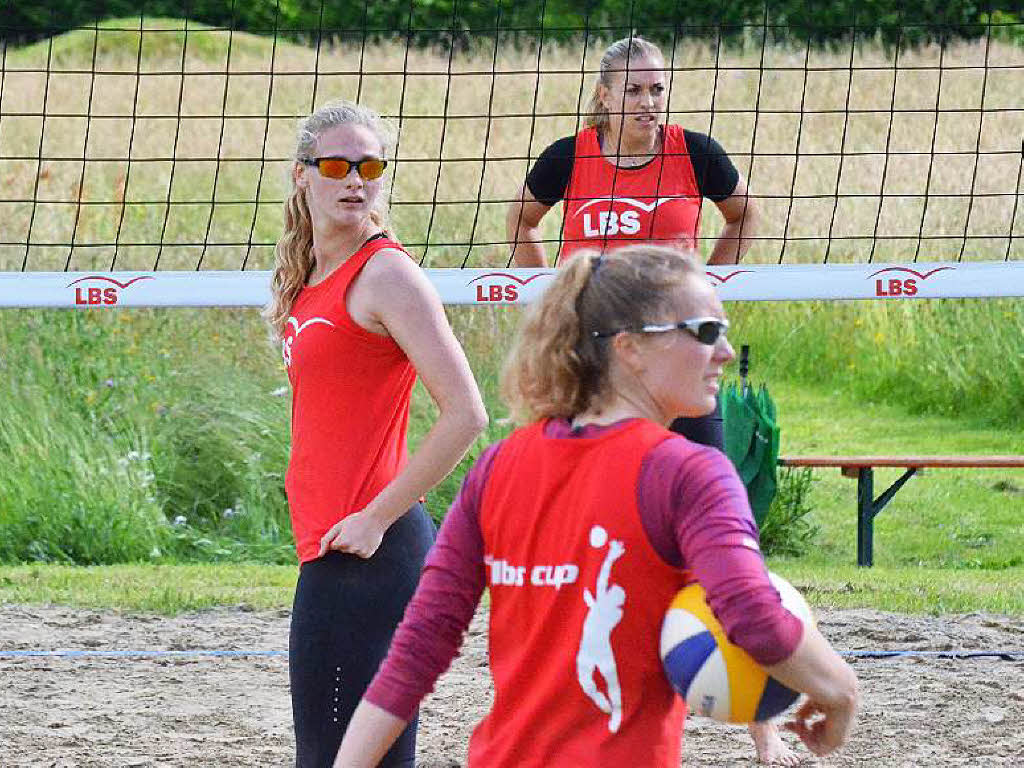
(716, 678)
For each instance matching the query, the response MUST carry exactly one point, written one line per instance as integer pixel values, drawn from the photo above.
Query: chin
(349, 219)
(643, 130)
(695, 410)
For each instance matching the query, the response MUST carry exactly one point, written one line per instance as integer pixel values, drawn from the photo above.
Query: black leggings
(706, 430)
(346, 610)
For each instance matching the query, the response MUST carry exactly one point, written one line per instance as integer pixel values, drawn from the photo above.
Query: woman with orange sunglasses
(357, 321)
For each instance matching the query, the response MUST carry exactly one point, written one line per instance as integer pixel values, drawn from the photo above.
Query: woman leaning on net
(629, 177)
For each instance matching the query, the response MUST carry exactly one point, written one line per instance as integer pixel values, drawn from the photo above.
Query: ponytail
(552, 370)
(558, 367)
(293, 262)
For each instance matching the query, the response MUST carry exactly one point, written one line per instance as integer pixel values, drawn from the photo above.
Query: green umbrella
(752, 438)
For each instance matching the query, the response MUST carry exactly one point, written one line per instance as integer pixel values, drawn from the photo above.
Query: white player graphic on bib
(595, 652)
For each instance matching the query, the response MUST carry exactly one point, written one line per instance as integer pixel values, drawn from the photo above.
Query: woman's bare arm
(824, 721)
(741, 222)
(522, 227)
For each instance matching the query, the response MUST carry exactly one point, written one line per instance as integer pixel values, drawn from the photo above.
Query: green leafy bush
(426, 22)
(787, 528)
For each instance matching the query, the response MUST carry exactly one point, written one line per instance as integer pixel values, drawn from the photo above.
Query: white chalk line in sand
(1002, 655)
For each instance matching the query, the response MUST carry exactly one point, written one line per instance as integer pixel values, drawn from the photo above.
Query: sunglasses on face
(706, 330)
(339, 167)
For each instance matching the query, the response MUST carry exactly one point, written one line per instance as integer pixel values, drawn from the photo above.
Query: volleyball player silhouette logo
(605, 612)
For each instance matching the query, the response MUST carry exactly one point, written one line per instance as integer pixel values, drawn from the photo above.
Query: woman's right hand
(358, 534)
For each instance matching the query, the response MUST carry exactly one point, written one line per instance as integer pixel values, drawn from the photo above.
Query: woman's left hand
(358, 534)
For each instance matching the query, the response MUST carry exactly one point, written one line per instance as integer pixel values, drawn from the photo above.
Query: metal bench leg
(865, 516)
(868, 507)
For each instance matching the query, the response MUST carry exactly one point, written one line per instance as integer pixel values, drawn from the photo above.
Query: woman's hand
(358, 534)
(825, 720)
(823, 729)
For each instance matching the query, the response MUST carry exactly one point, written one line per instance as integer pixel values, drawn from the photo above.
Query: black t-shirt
(716, 175)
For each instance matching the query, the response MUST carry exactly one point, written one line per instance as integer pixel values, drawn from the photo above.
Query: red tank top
(577, 599)
(608, 207)
(350, 406)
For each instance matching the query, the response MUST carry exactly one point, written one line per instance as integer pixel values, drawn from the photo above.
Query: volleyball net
(145, 161)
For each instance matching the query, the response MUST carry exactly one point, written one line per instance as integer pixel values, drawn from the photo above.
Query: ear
(604, 95)
(627, 348)
(299, 175)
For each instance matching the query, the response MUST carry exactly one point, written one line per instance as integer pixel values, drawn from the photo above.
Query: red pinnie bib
(608, 207)
(577, 600)
(350, 405)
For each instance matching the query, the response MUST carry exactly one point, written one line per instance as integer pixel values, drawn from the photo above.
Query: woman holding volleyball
(583, 525)
(358, 321)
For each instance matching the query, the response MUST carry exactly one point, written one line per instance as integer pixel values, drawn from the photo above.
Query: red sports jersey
(607, 206)
(577, 599)
(350, 406)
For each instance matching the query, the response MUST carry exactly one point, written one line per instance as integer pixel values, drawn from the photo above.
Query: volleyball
(716, 678)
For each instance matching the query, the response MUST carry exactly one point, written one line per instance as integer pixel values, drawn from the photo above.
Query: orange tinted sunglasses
(339, 167)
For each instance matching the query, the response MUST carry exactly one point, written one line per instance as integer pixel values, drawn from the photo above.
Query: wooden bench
(862, 468)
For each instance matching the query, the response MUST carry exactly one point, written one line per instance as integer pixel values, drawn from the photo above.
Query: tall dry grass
(854, 154)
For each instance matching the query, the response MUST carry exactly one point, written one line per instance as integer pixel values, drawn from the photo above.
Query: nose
(723, 350)
(353, 179)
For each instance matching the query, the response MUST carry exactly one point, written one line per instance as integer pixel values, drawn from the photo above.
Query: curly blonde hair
(557, 368)
(615, 59)
(293, 255)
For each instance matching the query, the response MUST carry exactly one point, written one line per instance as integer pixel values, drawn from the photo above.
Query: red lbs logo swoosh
(94, 296)
(491, 291)
(718, 280)
(902, 286)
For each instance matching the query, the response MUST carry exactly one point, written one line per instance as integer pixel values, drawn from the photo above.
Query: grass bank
(162, 436)
(175, 589)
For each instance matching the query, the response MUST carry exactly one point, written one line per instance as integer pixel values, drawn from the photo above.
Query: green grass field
(962, 519)
(186, 434)
(174, 589)
(151, 445)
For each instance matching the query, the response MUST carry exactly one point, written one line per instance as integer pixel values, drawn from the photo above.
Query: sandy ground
(210, 711)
